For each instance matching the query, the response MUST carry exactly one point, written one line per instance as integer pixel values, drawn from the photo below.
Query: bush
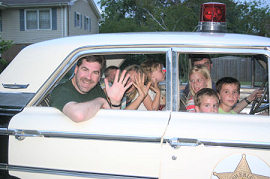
(4, 46)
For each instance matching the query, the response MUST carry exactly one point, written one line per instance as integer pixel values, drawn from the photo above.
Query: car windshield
(11, 104)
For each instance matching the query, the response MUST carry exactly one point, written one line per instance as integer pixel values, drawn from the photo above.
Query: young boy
(228, 89)
(206, 100)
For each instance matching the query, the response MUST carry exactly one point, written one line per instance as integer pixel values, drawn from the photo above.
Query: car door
(123, 144)
(210, 145)
(204, 145)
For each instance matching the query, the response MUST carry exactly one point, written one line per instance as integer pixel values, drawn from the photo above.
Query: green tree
(145, 15)
(254, 18)
(180, 15)
(4, 46)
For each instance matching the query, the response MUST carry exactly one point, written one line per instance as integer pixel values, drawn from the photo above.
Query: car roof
(35, 63)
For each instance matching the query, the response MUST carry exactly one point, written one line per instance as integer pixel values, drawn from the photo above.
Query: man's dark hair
(227, 80)
(199, 57)
(106, 72)
(204, 92)
(92, 58)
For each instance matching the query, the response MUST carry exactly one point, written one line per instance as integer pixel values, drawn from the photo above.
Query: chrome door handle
(177, 142)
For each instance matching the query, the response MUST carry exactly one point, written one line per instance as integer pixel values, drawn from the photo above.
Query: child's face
(209, 104)
(158, 75)
(197, 81)
(229, 95)
(133, 74)
(111, 76)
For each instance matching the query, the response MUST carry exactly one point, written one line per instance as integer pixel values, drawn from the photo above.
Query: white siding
(82, 7)
(11, 29)
(11, 24)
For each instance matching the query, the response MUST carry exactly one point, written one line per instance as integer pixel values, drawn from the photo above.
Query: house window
(87, 23)
(38, 19)
(44, 19)
(78, 20)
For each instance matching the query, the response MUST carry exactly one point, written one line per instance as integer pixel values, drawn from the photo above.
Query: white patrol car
(38, 141)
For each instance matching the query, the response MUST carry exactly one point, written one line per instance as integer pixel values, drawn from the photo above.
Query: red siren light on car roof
(212, 17)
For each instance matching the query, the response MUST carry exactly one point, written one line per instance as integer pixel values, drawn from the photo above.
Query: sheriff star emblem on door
(242, 171)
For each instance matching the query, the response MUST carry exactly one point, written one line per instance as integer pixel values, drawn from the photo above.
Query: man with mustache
(81, 97)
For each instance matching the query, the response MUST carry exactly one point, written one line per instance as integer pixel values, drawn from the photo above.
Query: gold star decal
(242, 171)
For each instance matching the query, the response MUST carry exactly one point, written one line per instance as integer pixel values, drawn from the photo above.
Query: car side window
(153, 67)
(250, 70)
(122, 62)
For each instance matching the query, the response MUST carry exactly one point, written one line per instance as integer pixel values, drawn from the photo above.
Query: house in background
(30, 21)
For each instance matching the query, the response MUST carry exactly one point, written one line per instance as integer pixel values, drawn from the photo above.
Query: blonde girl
(199, 78)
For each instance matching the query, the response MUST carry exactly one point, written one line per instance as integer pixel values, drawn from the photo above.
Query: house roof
(38, 3)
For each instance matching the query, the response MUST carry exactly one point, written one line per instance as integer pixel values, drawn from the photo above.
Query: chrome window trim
(175, 82)
(169, 68)
(268, 76)
(222, 51)
(71, 173)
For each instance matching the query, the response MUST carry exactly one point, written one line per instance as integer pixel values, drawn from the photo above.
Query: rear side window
(250, 70)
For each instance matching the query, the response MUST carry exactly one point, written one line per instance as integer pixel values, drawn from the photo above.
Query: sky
(97, 5)
(266, 2)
